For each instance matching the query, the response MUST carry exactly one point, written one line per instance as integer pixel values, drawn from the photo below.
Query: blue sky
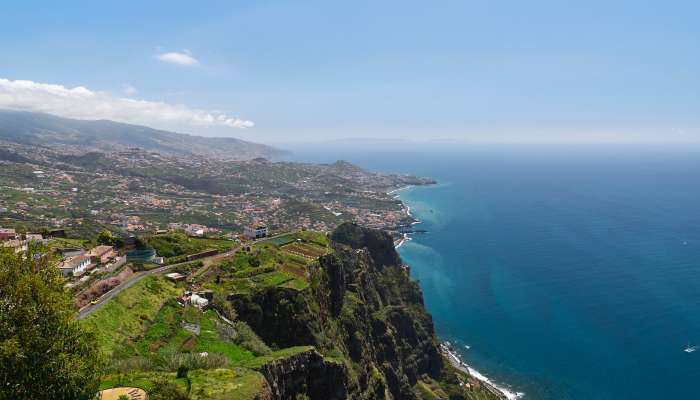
(316, 70)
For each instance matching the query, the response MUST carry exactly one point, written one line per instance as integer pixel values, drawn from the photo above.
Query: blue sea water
(570, 274)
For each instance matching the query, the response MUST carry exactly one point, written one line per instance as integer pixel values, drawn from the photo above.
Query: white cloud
(180, 58)
(82, 103)
(129, 90)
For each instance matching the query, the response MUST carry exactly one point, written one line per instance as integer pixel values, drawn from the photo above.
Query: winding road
(90, 308)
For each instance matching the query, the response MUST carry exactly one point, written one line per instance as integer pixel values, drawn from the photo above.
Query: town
(139, 191)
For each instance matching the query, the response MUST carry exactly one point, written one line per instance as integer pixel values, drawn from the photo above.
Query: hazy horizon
(275, 72)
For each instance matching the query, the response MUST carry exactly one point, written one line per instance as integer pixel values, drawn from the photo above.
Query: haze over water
(572, 275)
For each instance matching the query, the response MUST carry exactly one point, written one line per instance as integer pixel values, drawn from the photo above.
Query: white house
(74, 266)
(198, 301)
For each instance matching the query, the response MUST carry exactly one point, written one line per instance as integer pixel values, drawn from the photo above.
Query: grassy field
(179, 244)
(165, 336)
(211, 384)
(129, 313)
(66, 243)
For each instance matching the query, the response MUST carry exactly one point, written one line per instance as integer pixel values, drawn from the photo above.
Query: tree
(44, 352)
(105, 237)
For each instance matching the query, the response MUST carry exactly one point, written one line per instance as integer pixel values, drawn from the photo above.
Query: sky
(286, 71)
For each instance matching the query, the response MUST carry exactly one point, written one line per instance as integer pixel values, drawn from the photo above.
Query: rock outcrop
(306, 373)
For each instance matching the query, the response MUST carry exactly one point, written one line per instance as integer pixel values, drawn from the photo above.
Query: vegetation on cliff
(308, 316)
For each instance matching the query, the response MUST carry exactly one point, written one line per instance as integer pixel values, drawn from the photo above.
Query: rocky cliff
(365, 316)
(305, 374)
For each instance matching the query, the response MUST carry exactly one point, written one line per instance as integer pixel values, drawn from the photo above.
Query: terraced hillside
(302, 316)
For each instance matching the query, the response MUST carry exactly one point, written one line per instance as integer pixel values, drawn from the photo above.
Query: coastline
(459, 364)
(391, 192)
(449, 353)
(405, 237)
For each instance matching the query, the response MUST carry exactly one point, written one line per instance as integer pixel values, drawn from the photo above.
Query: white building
(255, 232)
(198, 301)
(74, 266)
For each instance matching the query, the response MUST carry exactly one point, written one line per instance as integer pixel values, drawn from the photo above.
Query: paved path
(90, 308)
(133, 279)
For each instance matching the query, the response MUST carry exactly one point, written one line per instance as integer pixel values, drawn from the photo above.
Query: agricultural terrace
(148, 337)
(282, 261)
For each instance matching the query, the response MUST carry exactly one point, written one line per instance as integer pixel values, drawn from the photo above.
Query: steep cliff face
(363, 311)
(306, 373)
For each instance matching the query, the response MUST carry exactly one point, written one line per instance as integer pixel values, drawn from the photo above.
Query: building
(198, 301)
(7, 234)
(74, 266)
(57, 233)
(102, 254)
(255, 232)
(196, 230)
(175, 276)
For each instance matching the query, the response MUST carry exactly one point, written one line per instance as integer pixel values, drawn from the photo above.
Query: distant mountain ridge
(39, 129)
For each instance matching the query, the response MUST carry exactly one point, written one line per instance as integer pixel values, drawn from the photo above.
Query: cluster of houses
(76, 262)
(19, 243)
(194, 230)
(251, 232)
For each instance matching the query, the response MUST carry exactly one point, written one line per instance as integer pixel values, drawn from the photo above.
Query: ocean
(559, 273)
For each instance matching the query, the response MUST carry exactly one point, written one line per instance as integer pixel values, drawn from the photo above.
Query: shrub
(241, 334)
(224, 306)
(131, 364)
(166, 390)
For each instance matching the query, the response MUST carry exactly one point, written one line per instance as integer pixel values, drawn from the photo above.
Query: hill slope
(348, 324)
(38, 129)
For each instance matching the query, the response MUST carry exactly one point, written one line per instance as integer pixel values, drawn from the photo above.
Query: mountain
(45, 130)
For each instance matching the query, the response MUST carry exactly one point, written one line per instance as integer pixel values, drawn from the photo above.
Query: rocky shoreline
(445, 347)
(456, 361)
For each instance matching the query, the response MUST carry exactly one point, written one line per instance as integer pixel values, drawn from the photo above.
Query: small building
(57, 233)
(74, 266)
(7, 234)
(175, 276)
(198, 301)
(196, 230)
(255, 232)
(102, 254)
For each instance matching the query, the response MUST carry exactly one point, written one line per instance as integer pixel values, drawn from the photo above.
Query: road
(90, 308)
